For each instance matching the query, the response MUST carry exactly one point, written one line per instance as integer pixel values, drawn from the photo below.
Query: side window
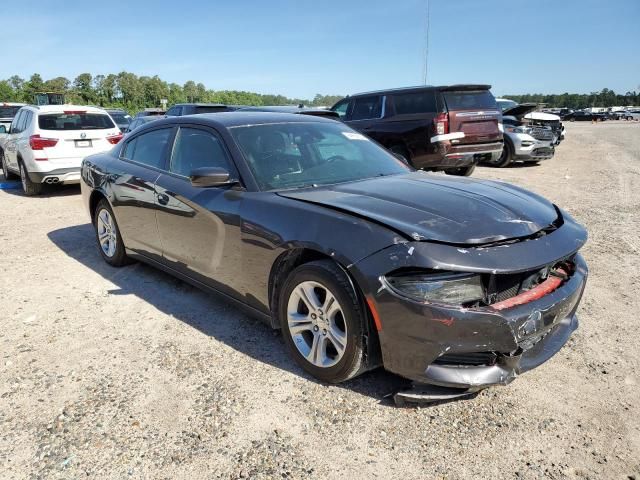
(367, 107)
(16, 122)
(148, 148)
(341, 107)
(195, 148)
(27, 120)
(174, 112)
(408, 103)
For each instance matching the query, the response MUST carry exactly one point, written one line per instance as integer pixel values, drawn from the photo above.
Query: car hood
(543, 116)
(438, 208)
(521, 110)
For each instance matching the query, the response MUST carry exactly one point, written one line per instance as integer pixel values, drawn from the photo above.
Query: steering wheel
(336, 158)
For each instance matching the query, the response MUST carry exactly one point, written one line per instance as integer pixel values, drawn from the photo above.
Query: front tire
(108, 235)
(505, 157)
(322, 320)
(5, 170)
(28, 187)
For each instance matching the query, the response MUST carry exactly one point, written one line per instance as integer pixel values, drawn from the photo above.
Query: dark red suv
(449, 128)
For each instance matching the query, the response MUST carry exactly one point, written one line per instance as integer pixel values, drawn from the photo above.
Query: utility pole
(426, 48)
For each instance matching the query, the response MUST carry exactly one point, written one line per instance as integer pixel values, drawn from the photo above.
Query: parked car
(318, 112)
(447, 128)
(360, 260)
(632, 115)
(582, 116)
(150, 112)
(180, 109)
(136, 122)
(533, 117)
(524, 140)
(46, 144)
(8, 110)
(121, 118)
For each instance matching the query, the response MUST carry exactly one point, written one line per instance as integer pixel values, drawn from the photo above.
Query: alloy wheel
(107, 233)
(316, 324)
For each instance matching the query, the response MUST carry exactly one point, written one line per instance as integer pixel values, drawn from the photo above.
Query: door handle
(163, 199)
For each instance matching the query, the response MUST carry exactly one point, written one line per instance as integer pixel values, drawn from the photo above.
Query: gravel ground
(129, 373)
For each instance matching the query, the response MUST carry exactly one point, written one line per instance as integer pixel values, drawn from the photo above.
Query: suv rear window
(211, 109)
(421, 102)
(75, 121)
(9, 112)
(468, 99)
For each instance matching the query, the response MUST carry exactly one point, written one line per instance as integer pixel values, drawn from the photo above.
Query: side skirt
(249, 310)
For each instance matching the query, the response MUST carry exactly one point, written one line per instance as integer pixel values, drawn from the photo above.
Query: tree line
(132, 92)
(604, 98)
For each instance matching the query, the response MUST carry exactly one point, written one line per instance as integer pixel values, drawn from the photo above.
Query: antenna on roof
(426, 48)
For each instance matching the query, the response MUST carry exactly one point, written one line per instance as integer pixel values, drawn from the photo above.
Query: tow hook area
(423, 394)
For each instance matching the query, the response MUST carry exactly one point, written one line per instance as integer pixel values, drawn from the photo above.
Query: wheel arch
(94, 199)
(293, 258)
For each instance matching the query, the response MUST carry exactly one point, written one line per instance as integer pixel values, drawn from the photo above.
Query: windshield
(9, 112)
(75, 121)
(294, 155)
(506, 104)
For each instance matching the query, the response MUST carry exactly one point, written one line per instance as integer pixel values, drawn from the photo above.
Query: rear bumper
(454, 156)
(58, 175)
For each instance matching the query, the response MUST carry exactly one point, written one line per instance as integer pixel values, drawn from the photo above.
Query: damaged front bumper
(472, 348)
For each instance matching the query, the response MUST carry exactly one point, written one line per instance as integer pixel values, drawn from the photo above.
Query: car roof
(422, 88)
(12, 104)
(200, 105)
(66, 108)
(241, 118)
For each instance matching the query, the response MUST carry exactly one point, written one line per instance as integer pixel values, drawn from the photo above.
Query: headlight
(519, 129)
(449, 288)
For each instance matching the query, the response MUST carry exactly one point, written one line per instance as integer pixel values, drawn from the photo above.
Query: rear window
(422, 102)
(469, 99)
(121, 117)
(75, 121)
(8, 112)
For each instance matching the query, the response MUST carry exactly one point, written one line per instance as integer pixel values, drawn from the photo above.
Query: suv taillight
(442, 123)
(36, 142)
(113, 139)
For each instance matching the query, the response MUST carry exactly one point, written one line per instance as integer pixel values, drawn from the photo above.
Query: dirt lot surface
(129, 373)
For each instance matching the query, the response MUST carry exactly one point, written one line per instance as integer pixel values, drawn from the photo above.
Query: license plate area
(83, 143)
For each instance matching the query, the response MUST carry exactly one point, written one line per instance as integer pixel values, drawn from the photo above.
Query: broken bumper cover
(425, 342)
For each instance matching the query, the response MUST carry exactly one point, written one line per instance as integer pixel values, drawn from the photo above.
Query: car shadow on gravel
(206, 312)
(47, 190)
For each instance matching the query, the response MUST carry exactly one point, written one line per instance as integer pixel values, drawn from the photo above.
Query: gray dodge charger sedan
(454, 283)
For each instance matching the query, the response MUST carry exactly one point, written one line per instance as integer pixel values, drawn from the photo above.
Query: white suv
(46, 144)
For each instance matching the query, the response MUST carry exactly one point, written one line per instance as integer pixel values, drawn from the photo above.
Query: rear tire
(28, 187)
(318, 307)
(108, 235)
(461, 171)
(5, 170)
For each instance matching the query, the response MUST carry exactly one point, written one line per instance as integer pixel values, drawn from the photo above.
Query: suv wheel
(461, 171)
(108, 235)
(322, 321)
(30, 188)
(5, 170)
(504, 159)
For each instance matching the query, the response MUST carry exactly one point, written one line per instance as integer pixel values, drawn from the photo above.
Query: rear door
(474, 113)
(199, 227)
(11, 143)
(132, 180)
(79, 134)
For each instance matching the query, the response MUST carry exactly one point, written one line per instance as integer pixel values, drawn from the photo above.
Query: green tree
(83, 87)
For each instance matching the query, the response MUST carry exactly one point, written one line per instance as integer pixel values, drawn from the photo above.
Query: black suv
(180, 109)
(448, 128)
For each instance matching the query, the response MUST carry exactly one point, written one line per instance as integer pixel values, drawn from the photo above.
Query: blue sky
(303, 47)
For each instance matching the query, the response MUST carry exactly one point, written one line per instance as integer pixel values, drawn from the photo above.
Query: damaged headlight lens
(448, 288)
(519, 129)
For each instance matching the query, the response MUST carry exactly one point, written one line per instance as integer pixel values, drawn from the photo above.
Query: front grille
(474, 359)
(544, 134)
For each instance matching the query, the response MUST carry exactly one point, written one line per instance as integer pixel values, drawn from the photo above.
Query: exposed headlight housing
(445, 288)
(519, 129)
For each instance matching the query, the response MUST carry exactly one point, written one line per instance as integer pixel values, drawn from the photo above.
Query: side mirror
(210, 177)
(3, 129)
